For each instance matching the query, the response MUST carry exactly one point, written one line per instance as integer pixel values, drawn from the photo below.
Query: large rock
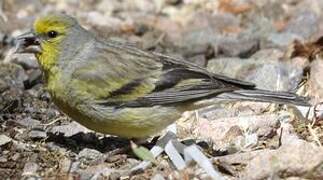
(302, 160)
(306, 19)
(266, 74)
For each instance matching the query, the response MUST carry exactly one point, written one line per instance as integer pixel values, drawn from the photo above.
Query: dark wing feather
(176, 81)
(172, 97)
(171, 62)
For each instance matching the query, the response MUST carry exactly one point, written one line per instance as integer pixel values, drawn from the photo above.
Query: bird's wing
(120, 75)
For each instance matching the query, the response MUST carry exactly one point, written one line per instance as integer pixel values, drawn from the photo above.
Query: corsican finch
(117, 89)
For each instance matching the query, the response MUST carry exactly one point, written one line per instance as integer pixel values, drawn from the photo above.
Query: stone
(28, 122)
(30, 169)
(97, 18)
(27, 61)
(301, 159)
(218, 22)
(103, 23)
(300, 20)
(96, 172)
(304, 161)
(90, 155)
(16, 156)
(108, 7)
(4, 139)
(34, 78)
(224, 131)
(232, 128)
(68, 166)
(243, 48)
(228, 66)
(140, 5)
(158, 177)
(55, 147)
(37, 134)
(3, 160)
(269, 54)
(278, 76)
(197, 37)
(70, 129)
(216, 111)
(13, 74)
(275, 76)
(282, 39)
(201, 28)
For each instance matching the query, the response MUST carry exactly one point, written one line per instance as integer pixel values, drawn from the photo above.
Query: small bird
(115, 88)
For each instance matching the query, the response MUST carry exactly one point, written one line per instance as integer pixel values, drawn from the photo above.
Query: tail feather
(267, 96)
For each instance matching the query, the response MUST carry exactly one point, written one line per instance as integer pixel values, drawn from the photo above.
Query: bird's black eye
(52, 34)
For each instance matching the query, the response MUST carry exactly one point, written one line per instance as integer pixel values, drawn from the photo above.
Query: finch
(118, 89)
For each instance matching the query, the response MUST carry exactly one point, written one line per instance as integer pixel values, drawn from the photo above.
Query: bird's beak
(28, 43)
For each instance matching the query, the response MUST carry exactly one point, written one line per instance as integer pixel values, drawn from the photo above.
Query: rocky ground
(246, 39)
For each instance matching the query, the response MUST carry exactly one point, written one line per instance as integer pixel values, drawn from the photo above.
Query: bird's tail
(266, 96)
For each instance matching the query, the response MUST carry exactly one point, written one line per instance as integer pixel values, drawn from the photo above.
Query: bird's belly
(127, 122)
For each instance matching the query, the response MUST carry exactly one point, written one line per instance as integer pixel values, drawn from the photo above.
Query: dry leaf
(309, 50)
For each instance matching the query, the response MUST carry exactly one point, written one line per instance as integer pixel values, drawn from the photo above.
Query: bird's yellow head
(51, 31)
(46, 38)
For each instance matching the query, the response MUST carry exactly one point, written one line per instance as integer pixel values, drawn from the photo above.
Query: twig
(280, 137)
(54, 121)
(160, 39)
